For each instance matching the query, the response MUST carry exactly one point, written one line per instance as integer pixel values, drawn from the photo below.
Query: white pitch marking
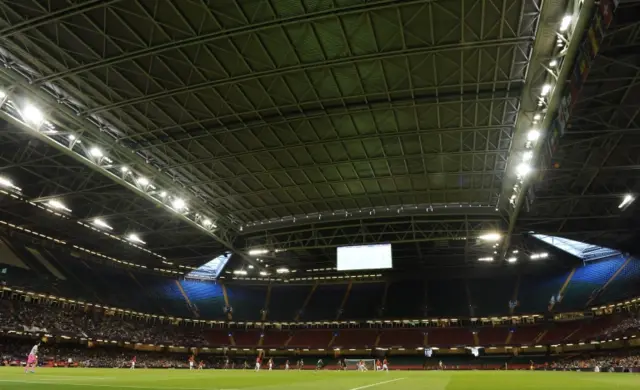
(115, 385)
(377, 384)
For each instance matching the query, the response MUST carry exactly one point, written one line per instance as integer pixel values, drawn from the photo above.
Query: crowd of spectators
(602, 362)
(81, 323)
(623, 326)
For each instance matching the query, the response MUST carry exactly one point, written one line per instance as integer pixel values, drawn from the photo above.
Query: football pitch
(69, 379)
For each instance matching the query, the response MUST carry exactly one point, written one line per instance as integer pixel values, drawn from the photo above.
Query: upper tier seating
(286, 301)
(353, 338)
(317, 338)
(626, 284)
(535, 292)
(324, 303)
(447, 298)
(587, 280)
(525, 334)
(364, 301)
(443, 337)
(405, 299)
(247, 301)
(490, 297)
(493, 335)
(206, 296)
(408, 338)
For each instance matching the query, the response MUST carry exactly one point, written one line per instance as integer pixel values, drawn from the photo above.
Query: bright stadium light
(124, 169)
(626, 201)
(512, 259)
(56, 204)
(553, 63)
(545, 90)
(32, 115)
(4, 182)
(143, 181)
(492, 237)
(96, 152)
(537, 256)
(264, 273)
(523, 169)
(565, 23)
(486, 259)
(533, 135)
(163, 194)
(282, 270)
(134, 238)
(178, 204)
(239, 272)
(250, 266)
(101, 223)
(257, 252)
(527, 156)
(208, 223)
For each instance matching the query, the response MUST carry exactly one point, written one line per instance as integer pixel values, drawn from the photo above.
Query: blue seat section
(405, 299)
(324, 302)
(490, 297)
(286, 301)
(247, 301)
(206, 296)
(535, 292)
(625, 285)
(364, 301)
(447, 298)
(587, 280)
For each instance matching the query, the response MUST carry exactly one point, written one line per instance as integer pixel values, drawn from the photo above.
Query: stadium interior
(424, 180)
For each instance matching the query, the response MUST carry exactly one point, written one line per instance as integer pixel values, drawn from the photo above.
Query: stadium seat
(493, 335)
(363, 302)
(587, 280)
(247, 301)
(319, 338)
(324, 302)
(355, 338)
(626, 284)
(447, 298)
(405, 299)
(206, 296)
(286, 301)
(447, 337)
(407, 338)
(490, 297)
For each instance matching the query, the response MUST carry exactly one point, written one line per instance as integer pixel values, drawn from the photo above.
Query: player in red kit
(133, 363)
(258, 361)
(385, 365)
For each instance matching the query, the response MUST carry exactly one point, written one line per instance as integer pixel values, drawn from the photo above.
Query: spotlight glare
(163, 194)
(545, 90)
(486, 259)
(4, 182)
(533, 135)
(96, 152)
(565, 23)
(512, 259)
(32, 115)
(493, 237)
(101, 223)
(143, 181)
(124, 169)
(282, 270)
(527, 156)
(178, 204)
(627, 200)
(553, 63)
(256, 252)
(523, 169)
(134, 238)
(56, 204)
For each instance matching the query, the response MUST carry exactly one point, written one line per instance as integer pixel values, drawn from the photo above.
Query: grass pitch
(78, 378)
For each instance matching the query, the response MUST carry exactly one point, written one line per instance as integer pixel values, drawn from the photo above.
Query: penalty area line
(377, 384)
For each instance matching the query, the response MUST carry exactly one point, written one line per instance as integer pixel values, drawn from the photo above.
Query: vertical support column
(306, 301)
(344, 299)
(226, 301)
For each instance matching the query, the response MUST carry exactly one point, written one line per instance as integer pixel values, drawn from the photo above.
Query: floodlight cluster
(524, 166)
(33, 117)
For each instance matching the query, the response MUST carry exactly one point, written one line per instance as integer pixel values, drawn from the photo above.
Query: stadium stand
(206, 296)
(623, 284)
(535, 292)
(409, 338)
(324, 302)
(287, 301)
(493, 335)
(587, 280)
(405, 299)
(363, 302)
(319, 338)
(355, 338)
(525, 334)
(447, 298)
(450, 336)
(490, 297)
(247, 301)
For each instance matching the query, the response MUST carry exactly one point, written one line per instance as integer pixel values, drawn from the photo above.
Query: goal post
(352, 364)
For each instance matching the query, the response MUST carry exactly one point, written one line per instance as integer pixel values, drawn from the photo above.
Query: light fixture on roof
(207, 223)
(523, 169)
(96, 152)
(282, 270)
(264, 273)
(4, 182)
(537, 117)
(135, 238)
(553, 63)
(101, 223)
(143, 181)
(163, 194)
(512, 259)
(32, 114)
(533, 135)
(492, 237)
(527, 156)
(56, 204)
(257, 252)
(626, 201)
(250, 266)
(545, 90)
(537, 256)
(486, 259)
(178, 204)
(239, 272)
(565, 23)
(124, 169)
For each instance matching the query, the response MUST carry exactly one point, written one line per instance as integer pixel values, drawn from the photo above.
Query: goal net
(352, 364)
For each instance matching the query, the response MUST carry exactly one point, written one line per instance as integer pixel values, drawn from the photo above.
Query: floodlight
(178, 204)
(239, 272)
(3, 94)
(491, 237)
(537, 256)
(282, 270)
(134, 238)
(32, 115)
(565, 23)
(512, 259)
(96, 152)
(545, 90)
(527, 156)
(124, 169)
(553, 63)
(143, 181)
(163, 194)
(523, 169)
(533, 135)
(56, 204)
(101, 223)
(627, 200)
(256, 252)
(537, 117)
(264, 273)
(486, 259)
(4, 182)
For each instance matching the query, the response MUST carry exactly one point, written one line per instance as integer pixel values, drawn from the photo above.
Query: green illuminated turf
(78, 378)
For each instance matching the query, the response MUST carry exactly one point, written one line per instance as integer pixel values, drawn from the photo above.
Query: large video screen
(353, 258)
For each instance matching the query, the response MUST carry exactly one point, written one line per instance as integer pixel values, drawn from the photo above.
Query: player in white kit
(32, 359)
